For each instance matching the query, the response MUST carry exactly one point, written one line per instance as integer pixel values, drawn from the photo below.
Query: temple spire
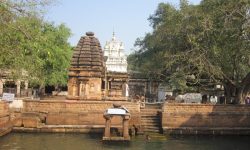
(117, 60)
(113, 37)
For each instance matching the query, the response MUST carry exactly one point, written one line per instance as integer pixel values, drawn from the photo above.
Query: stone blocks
(5, 123)
(30, 122)
(79, 112)
(205, 118)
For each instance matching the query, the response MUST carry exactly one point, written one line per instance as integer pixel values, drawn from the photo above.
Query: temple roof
(88, 54)
(117, 60)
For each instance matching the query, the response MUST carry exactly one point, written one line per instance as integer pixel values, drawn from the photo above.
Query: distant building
(116, 58)
(19, 86)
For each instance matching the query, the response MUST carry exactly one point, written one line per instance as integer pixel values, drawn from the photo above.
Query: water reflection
(56, 141)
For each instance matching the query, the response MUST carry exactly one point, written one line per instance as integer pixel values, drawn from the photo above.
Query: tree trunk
(243, 92)
(240, 95)
(229, 92)
(41, 91)
(237, 93)
(243, 89)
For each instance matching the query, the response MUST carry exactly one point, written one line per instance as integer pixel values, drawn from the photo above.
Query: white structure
(189, 98)
(117, 60)
(163, 91)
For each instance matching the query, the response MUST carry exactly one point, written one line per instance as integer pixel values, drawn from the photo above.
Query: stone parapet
(75, 106)
(205, 119)
(75, 113)
(63, 129)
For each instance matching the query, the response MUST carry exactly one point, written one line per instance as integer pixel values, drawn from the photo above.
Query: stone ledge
(65, 128)
(78, 101)
(5, 128)
(195, 104)
(115, 139)
(207, 130)
(4, 115)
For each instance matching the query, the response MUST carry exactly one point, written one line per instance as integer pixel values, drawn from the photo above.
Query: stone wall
(205, 119)
(5, 123)
(69, 112)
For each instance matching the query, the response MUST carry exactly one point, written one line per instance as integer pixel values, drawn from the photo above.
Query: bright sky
(128, 18)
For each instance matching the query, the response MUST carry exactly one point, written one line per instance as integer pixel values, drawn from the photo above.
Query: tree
(31, 47)
(206, 41)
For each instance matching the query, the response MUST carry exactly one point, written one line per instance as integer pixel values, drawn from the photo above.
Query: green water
(49, 141)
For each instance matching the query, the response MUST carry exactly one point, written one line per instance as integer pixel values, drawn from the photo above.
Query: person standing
(247, 100)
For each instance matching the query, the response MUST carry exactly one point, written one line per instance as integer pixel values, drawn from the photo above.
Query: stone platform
(71, 116)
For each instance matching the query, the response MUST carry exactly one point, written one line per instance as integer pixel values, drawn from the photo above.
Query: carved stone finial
(90, 33)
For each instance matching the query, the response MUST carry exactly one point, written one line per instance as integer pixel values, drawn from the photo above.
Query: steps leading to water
(151, 118)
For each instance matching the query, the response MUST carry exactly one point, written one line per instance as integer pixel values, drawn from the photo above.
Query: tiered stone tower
(87, 70)
(117, 60)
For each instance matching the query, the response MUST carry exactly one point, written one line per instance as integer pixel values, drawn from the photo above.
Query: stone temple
(116, 65)
(87, 70)
(93, 76)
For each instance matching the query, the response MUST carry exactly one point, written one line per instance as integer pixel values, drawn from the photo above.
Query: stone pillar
(123, 89)
(107, 127)
(1, 87)
(126, 127)
(75, 87)
(18, 88)
(82, 90)
(26, 86)
(106, 84)
(127, 90)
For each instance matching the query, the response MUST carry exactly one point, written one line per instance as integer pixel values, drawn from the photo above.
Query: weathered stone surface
(87, 70)
(18, 122)
(30, 122)
(5, 123)
(87, 47)
(117, 85)
(205, 118)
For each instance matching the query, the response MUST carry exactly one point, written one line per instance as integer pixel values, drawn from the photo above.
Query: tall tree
(193, 42)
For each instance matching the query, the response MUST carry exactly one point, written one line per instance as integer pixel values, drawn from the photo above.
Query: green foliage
(32, 48)
(209, 40)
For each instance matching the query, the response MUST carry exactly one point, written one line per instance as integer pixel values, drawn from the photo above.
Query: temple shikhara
(95, 75)
(86, 73)
(114, 51)
(116, 64)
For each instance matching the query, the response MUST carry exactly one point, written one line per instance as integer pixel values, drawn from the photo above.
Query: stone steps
(153, 106)
(150, 118)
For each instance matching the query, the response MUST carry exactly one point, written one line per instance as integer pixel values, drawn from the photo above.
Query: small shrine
(116, 111)
(87, 70)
